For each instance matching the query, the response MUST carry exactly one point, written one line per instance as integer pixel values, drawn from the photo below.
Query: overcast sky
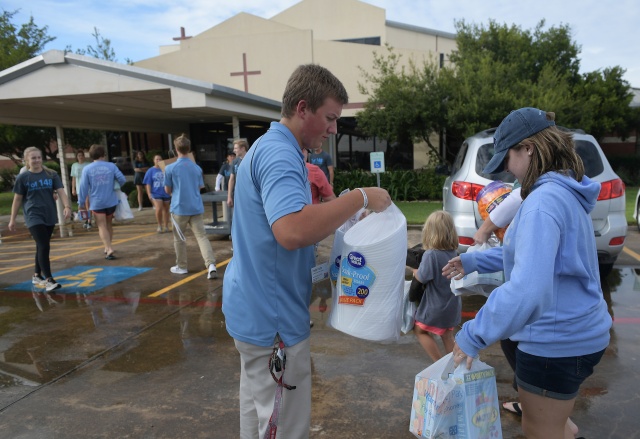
(608, 32)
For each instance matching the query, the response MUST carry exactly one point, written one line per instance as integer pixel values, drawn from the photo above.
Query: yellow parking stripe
(186, 280)
(631, 253)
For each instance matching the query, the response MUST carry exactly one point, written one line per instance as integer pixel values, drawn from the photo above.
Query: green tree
(405, 103)
(498, 68)
(102, 49)
(20, 44)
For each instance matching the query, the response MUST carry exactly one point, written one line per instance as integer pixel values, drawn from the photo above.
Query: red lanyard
(277, 361)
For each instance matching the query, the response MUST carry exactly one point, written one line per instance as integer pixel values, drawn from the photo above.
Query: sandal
(110, 256)
(514, 408)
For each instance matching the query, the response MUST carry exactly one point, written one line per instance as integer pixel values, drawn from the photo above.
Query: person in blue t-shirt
(97, 190)
(224, 174)
(154, 182)
(267, 285)
(183, 181)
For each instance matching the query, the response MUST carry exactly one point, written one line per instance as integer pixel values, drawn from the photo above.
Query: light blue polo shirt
(267, 289)
(185, 180)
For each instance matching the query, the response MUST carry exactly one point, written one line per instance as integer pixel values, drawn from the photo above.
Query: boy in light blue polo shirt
(183, 181)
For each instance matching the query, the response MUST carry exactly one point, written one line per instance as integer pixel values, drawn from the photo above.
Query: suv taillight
(611, 189)
(466, 190)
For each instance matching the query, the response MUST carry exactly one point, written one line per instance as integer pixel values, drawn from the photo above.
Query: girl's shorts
(433, 329)
(108, 211)
(557, 378)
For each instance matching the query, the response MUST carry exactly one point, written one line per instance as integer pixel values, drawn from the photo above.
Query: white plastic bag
(408, 310)
(123, 211)
(460, 403)
(475, 283)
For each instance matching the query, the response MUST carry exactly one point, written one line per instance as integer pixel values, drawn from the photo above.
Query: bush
(53, 165)
(128, 187)
(133, 199)
(402, 185)
(627, 168)
(8, 178)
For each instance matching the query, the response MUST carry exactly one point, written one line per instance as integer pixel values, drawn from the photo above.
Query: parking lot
(127, 349)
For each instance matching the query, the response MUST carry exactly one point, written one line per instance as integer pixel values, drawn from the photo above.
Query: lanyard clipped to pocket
(277, 364)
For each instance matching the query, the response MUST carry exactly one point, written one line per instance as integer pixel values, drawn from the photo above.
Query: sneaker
(37, 280)
(213, 273)
(51, 284)
(87, 226)
(177, 270)
(139, 208)
(159, 230)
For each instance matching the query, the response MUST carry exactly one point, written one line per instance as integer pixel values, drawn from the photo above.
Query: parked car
(124, 164)
(466, 180)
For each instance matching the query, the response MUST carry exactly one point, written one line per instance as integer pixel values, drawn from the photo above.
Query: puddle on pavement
(43, 336)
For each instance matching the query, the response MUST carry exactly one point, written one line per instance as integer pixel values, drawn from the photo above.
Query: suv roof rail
(571, 130)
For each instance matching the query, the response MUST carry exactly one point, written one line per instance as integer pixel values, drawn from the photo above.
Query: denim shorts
(557, 378)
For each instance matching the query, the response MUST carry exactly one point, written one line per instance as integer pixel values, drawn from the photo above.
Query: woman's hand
(459, 356)
(453, 269)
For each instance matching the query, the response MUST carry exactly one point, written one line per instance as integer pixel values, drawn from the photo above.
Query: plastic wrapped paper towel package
(369, 283)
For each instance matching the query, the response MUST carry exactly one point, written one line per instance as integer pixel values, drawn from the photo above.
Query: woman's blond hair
(439, 232)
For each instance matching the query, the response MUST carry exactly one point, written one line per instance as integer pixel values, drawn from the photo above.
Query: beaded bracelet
(364, 195)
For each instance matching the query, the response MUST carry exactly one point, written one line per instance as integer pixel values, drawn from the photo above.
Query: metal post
(64, 176)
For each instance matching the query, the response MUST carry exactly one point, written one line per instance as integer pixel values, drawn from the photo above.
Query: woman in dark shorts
(140, 166)
(98, 180)
(551, 303)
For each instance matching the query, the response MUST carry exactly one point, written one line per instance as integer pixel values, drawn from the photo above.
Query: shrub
(402, 185)
(133, 199)
(128, 187)
(8, 178)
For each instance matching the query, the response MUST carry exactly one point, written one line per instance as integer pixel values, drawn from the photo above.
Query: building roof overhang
(75, 91)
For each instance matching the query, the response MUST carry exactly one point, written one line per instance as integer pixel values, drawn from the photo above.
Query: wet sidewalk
(129, 350)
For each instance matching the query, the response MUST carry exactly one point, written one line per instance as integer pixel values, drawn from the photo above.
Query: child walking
(438, 312)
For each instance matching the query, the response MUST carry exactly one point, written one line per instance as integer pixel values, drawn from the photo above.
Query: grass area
(6, 199)
(631, 193)
(418, 211)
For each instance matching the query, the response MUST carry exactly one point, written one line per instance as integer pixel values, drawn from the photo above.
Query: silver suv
(466, 180)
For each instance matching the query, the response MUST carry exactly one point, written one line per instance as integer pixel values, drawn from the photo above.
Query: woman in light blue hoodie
(551, 303)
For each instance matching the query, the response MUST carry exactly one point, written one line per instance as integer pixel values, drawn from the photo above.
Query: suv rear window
(485, 153)
(590, 156)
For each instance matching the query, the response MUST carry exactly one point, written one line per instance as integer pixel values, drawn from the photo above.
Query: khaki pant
(258, 389)
(197, 227)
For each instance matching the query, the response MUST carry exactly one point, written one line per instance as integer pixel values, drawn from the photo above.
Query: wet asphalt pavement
(127, 349)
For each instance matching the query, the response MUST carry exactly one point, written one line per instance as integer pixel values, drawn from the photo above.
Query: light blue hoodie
(551, 302)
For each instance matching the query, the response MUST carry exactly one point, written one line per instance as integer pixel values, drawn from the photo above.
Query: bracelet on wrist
(364, 196)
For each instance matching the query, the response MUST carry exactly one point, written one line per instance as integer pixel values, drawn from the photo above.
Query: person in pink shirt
(321, 190)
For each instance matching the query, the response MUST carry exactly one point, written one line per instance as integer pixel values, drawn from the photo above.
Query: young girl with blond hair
(438, 312)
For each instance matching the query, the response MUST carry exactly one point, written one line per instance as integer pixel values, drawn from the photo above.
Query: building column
(64, 176)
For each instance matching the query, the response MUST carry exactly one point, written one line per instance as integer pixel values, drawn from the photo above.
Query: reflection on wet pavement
(169, 363)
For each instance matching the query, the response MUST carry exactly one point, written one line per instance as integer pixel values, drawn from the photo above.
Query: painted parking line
(86, 250)
(631, 253)
(186, 280)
